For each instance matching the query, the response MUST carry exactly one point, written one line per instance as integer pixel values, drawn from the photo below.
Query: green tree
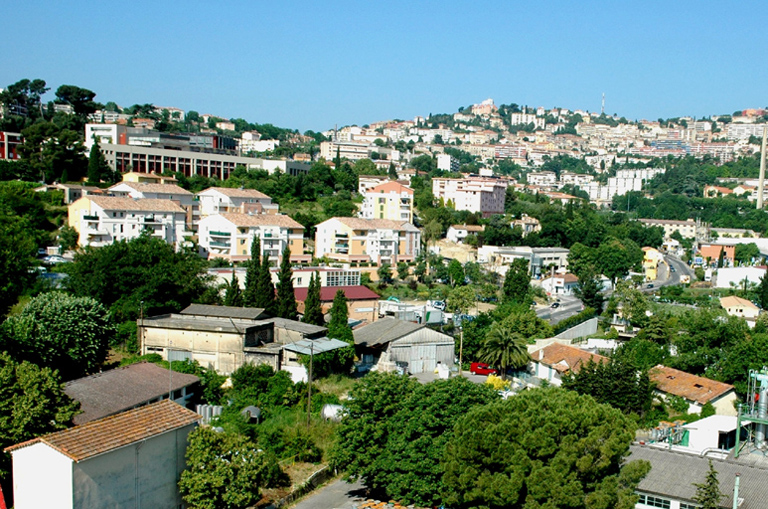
(265, 289)
(455, 273)
(589, 290)
(68, 238)
(98, 169)
(395, 446)
(708, 493)
(392, 173)
(286, 300)
(504, 348)
(17, 254)
(461, 299)
(32, 403)
(251, 294)
(144, 272)
(313, 311)
(541, 448)
(338, 326)
(403, 271)
(613, 382)
(62, 332)
(761, 290)
(745, 253)
(233, 295)
(385, 273)
(225, 471)
(81, 99)
(517, 283)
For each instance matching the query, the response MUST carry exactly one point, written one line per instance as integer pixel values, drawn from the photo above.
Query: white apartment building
(352, 239)
(348, 150)
(575, 179)
(230, 235)
(251, 142)
(366, 182)
(218, 200)
(624, 182)
(475, 194)
(526, 118)
(744, 131)
(102, 220)
(542, 178)
(141, 190)
(391, 200)
(447, 162)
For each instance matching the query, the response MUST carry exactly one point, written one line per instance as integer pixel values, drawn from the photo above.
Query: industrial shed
(389, 344)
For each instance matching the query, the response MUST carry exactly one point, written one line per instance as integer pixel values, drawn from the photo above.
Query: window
(652, 501)
(683, 505)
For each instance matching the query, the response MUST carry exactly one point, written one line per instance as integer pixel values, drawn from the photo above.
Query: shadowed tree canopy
(286, 300)
(541, 448)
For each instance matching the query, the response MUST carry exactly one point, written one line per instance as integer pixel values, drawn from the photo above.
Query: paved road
(337, 495)
(569, 306)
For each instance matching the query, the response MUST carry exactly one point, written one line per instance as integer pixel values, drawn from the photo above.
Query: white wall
(149, 469)
(42, 478)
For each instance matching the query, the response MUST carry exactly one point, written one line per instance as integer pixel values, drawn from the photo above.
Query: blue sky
(310, 65)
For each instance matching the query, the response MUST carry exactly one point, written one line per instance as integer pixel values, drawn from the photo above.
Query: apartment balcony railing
(220, 234)
(91, 218)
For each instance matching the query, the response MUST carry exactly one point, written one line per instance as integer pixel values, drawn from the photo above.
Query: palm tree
(504, 349)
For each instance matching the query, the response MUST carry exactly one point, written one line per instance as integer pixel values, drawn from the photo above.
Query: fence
(313, 482)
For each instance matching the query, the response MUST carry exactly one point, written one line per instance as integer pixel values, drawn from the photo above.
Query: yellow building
(148, 178)
(352, 239)
(651, 261)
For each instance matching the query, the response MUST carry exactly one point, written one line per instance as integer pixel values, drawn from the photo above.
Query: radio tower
(602, 108)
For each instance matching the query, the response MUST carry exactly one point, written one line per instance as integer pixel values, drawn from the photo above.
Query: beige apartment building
(230, 235)
(351, 239)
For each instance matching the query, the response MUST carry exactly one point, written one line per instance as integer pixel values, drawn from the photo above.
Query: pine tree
(762, 292)
(338, 327)
(313, 311)
(286, 300)
(234, 295)
(265, 290)
(708, 493)
(250, 295)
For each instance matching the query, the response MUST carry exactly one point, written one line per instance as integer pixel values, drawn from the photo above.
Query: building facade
(102, 220)
(391, 200)
(230, 235)
(475, 194)
(219, 200)
(350, 239)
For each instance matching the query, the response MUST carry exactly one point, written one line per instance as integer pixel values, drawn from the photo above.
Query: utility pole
(309, 385)
(761, 185)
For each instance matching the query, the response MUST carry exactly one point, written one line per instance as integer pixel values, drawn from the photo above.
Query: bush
(126, 337)
(575, 320)
(677, 404)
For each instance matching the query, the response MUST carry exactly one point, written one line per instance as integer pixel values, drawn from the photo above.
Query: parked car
(478, 368)
(53, 259)
(555, 305)
(649, 285)
(437, 304)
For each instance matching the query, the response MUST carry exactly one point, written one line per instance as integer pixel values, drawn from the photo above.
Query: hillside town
(205, 312)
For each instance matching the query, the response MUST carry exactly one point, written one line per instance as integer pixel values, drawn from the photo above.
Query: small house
(695, 390)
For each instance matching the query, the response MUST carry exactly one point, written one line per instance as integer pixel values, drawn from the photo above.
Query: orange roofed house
(391, 200)
(697, 391)
(132, 459)
(553, 361)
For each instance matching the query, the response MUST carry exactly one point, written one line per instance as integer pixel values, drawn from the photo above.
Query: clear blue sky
(310, 65)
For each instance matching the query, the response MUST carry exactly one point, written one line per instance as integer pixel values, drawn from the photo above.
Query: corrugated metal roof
(384, 330)
(121, 389)
(225, 311)
(315, 346)
(97, 437)
(673, 473)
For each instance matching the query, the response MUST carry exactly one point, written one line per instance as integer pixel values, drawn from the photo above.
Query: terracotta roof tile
(357, 223)
(146, 204)
(565, 358)
(390, 187)
(237, 192)
(146, 187)
(97, 437)
(691, 387)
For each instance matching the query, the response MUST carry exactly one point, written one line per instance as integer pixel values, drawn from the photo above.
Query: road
(337, 495)
(568, 307)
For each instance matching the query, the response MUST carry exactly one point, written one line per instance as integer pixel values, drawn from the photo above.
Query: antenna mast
(602, 108)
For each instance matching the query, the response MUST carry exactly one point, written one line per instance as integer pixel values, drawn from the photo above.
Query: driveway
(337, 495)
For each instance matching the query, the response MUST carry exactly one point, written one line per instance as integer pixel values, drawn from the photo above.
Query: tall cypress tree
(286, 300)
(234, 295)
(250, 295)
(313, 310)
(265, 290)
(338, 326)
(94, 164)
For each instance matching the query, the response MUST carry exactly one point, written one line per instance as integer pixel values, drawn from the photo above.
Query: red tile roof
(691, 387)
(564, 358)
(97, 437)
(327, 293)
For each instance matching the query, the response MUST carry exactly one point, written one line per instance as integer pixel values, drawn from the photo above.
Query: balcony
(151, 219)
(220, 234)
(215, 243)
(91, 218)
(267, 235)
(342, 235)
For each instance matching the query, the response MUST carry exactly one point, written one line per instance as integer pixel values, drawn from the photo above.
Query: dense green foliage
(286, 300)
(226, 470)
(541, 448)
(614, 382)
(517, 283)
(395, 431)
(708, 493)
(143, 272)
(32, 403)
(61, 332)
(504, 348)
(313, 311)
